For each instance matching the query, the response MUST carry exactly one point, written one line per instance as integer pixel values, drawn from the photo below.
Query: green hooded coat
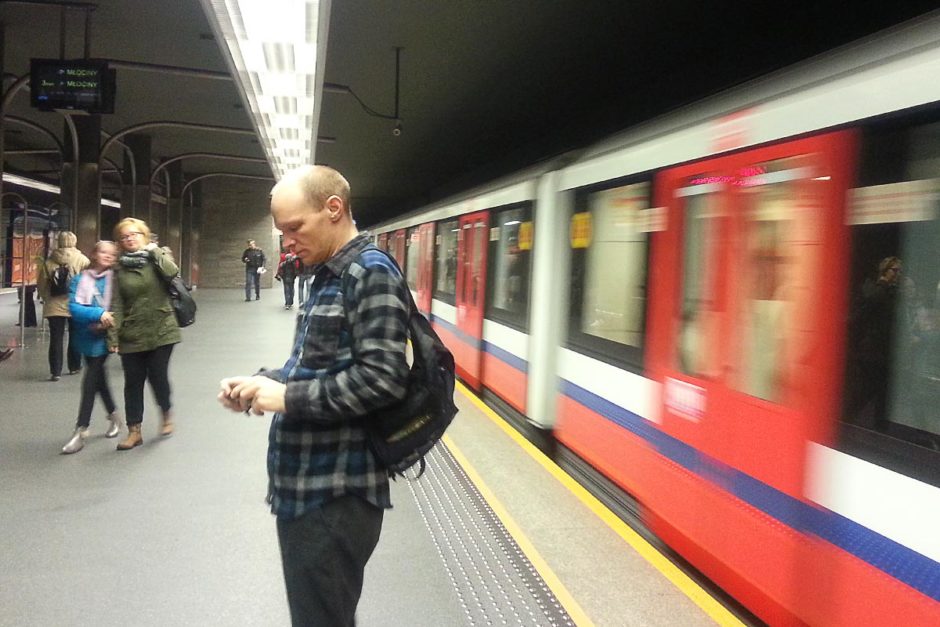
(143, 316)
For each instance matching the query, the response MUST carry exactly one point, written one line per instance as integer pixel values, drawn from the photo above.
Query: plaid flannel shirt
(348, 359)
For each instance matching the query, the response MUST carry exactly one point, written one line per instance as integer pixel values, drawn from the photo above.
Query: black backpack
(59, 281)
(401, 434)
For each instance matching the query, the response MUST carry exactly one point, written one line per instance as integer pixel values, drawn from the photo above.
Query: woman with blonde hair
(55, 274)
(145, 328)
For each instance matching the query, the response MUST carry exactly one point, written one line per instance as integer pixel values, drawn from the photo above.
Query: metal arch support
(205, 155)
(73, 216)
(225, 174)
(37, 127)
(130, 156)
(167, 123)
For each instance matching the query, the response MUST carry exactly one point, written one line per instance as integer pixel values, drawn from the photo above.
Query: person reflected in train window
(145, 328)
(348, 360)
(55, 274)
(872, 329)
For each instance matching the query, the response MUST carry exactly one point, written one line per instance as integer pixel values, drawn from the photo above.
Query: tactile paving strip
(494, 581)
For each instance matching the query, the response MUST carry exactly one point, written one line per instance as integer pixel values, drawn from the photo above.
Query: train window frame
(901, 448)
(517, 321)
(623, 356)
(437, 294)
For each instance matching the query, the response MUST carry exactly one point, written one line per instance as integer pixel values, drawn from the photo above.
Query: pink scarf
(87, 289)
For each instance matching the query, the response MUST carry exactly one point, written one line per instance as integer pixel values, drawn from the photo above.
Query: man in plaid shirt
(348, 359)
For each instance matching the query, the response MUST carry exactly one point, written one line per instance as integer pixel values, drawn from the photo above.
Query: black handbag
(184, 307)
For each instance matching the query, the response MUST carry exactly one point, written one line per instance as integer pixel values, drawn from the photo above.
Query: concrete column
(171, 234)
(135, 199)
(83, 195)
(192, 225)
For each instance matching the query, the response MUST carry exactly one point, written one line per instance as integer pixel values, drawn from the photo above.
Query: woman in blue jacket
(89, 304)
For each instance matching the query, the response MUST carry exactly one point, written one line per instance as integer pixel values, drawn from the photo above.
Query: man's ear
(334, 204)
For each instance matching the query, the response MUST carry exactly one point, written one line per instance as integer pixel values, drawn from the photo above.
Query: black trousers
(57, 325)
(324, 554)
(139, 367)
(94, 382)
(288, 292)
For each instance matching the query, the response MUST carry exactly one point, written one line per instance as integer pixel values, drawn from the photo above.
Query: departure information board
(79, 85)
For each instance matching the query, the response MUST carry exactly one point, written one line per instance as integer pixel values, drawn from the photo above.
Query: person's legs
(135, 373)
(257, 285)
(158, 366)
(104, 389)
(74, 357)
(324, 554)
(91, 381)
(249, 276)
(287, 302)
(56, 336)
(288, 293)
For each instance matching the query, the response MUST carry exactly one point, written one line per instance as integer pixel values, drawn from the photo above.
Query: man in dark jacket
(253, 258)
(287, 272)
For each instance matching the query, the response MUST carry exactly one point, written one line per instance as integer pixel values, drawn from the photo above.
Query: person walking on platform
(326, 487)
(306, 274)
(55, 275)
(145, 328)
(89, 303)
(287, 272)
(254, 260)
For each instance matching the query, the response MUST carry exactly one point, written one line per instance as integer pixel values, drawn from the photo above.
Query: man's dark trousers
(324, 554)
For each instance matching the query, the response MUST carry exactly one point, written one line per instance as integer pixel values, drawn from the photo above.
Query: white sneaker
(77, 442)
(115, 427)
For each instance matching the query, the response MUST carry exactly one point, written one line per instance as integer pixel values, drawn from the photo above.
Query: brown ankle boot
(133, 438)
(166, 428)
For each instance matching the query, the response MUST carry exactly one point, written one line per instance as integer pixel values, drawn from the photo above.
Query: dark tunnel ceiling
(486, 87)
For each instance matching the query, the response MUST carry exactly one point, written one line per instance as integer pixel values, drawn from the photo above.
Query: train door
(472, 243)
(382, 241)
(746, 326)
(397, 246)
(425, 263)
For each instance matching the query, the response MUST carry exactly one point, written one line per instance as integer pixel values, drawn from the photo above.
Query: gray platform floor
(176, 532)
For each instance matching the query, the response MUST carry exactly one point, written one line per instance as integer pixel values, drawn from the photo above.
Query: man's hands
(252, 394)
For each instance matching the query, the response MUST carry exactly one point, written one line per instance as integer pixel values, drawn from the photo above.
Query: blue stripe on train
(503, 355)
(902, 563)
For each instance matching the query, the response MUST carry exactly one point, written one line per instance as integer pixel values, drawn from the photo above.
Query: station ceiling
(486, 86)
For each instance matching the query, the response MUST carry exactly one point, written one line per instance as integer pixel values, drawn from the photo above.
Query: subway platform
(176, 532)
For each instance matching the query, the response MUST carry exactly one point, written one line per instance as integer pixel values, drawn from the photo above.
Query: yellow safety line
(541, 566)
(718, 612)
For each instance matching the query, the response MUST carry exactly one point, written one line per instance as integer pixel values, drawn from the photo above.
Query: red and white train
(730, 315)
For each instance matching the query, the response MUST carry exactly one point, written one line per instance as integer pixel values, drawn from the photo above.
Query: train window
(508, 266)
(609, 273)
(413, 258)
(780, 241)
(700, 314)
(445, 286)
(892, 372)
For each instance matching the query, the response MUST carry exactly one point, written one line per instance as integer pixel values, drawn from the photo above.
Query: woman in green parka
(145, 328)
